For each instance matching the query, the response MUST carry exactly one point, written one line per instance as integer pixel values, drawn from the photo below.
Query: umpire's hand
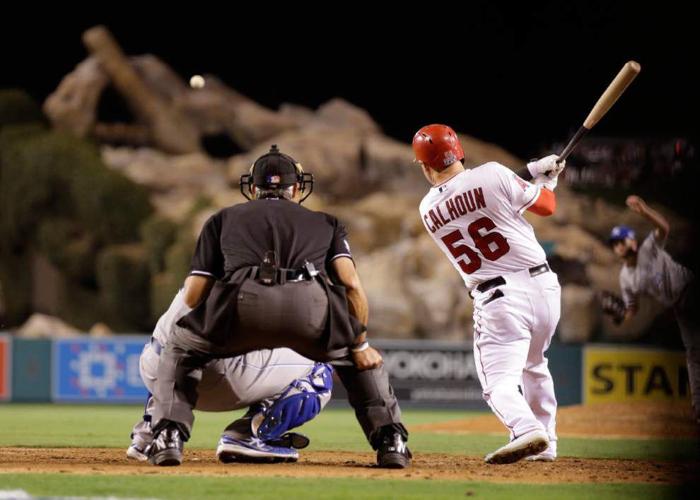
(367, 359)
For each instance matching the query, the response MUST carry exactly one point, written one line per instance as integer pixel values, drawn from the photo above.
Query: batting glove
(547, 165)
(546, 181)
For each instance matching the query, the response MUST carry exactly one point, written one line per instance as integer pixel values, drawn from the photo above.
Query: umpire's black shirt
(239, 236)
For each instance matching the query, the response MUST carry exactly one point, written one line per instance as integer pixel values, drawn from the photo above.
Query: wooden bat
(626, 75)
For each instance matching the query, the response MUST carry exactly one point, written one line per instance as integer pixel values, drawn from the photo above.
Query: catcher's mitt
(613, 305)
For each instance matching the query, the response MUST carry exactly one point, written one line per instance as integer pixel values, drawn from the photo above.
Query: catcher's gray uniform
(225, 384)
(656, 274)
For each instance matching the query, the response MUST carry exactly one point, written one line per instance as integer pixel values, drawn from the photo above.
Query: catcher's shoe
(252, 449)
(526, 445)
(166, 449)
(138, 450)
(393, 453)
(290, 440)
(135, 452)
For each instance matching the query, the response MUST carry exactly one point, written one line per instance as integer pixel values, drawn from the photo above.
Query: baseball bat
(626, 75)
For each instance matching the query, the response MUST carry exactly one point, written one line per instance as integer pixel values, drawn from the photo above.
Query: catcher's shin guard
(300, 402)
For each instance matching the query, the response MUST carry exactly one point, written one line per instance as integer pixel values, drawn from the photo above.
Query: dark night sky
(520, 77)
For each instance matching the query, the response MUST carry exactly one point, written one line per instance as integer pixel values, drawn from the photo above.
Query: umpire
(270, 273)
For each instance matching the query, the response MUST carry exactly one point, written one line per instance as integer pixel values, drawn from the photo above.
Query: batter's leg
(538, 385)
(501, 346)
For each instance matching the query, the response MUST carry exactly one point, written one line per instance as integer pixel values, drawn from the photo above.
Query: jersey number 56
(492, 246)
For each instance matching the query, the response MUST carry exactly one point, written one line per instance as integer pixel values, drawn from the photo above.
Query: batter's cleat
(529, 444)
(290, 440)
(545, 456)
(393, 453)
(253, 449)
(135, 452)
(548, 455)
(166, 449)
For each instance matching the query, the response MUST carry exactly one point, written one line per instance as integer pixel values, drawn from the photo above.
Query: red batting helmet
(437, 146)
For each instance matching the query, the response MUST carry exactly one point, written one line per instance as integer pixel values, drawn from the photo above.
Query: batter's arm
(662, 227)
(546, 203)
(197, 288)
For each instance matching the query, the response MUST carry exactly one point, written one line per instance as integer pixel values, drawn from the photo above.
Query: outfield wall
(423, 373)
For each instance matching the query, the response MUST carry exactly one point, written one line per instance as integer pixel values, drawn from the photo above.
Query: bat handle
(580, 134)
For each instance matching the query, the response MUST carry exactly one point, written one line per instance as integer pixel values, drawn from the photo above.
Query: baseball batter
(476, 218)
(649, 269)
(266, 380)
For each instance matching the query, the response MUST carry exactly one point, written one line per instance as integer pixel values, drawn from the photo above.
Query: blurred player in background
(648, 269)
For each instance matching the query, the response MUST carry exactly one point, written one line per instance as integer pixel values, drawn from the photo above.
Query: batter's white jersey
(476, 219)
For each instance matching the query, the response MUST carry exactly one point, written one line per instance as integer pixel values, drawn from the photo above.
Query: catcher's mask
(276, 170)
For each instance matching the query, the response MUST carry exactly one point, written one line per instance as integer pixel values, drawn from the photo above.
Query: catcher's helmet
(437, 146)
(276, 170)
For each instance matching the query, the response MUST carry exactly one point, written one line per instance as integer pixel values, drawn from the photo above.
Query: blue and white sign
(98, 371)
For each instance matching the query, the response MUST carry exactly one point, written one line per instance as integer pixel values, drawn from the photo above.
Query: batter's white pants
(513, 326)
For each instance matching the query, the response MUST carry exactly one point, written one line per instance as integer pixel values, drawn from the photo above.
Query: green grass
(334, 429)
(275, 488)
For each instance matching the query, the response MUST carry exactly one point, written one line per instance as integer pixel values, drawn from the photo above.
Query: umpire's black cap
(275, 169)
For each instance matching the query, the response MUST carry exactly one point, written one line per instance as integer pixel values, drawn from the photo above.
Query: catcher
(282, 389)
(649, 269)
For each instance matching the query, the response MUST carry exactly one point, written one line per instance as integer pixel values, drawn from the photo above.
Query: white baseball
(197, 81)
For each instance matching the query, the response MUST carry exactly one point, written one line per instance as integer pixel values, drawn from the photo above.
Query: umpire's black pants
(290, 316)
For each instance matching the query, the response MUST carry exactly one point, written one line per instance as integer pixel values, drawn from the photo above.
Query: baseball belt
(487, 285)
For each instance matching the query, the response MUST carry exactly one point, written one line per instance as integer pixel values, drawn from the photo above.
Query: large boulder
(380, 219)
(478, 152)
(388, 165)
(176, 182)
(331, 154)
(340, 114)
(440, 301)
(73, 105)
(414, 292)
(391, 314)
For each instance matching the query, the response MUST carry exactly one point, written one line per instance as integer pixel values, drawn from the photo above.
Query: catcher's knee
(300, 402)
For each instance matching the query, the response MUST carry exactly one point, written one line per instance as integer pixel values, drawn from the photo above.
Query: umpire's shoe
(166, 449)
(392, 452)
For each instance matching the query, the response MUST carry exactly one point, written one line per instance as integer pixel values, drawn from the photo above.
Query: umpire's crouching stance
(271, 273)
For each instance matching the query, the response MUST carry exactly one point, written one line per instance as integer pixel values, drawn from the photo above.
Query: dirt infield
(643, 420)
(612, 420)
(345, 464)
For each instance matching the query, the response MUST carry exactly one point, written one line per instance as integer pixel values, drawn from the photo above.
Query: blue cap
(620, 233)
